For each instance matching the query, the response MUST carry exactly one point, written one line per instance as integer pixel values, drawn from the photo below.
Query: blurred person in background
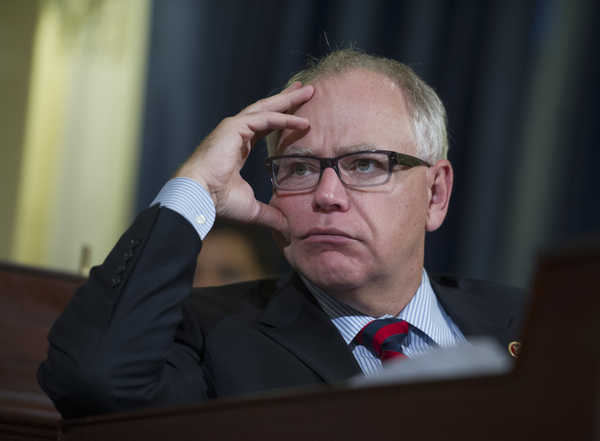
(235, 253)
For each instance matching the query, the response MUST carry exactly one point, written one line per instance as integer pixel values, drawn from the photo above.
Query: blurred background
(101, 101)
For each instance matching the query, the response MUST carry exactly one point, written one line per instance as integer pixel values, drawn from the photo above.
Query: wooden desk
(30, 302)
(551, 394)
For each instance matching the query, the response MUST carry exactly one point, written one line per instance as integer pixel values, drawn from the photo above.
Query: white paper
(483, 356)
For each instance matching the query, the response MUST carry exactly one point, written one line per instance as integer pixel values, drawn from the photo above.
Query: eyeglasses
(369, 168)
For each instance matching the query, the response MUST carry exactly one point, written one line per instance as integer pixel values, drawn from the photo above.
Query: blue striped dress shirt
(430, 325)
(191, 200)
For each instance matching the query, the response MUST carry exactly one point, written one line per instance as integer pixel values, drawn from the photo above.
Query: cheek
(276, 201)
(295, 208)
(397, 218)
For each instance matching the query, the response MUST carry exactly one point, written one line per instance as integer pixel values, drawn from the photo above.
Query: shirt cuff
(191, 200)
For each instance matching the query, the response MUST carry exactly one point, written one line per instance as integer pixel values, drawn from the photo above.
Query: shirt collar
(423, 312)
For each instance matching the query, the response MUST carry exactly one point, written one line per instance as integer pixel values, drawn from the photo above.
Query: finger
(236, 132)
(273, 219)
(294, 86)
(282, 101)
(253, 123)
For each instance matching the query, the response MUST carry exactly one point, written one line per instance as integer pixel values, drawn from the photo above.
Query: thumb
(273, 219)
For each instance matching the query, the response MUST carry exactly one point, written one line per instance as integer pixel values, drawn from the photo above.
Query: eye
(302, 168)
(299, 169)
(364, 165)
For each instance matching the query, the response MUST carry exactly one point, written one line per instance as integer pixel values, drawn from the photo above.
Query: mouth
(326, 235)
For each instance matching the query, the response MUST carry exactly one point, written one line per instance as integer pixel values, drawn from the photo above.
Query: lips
(326, 235)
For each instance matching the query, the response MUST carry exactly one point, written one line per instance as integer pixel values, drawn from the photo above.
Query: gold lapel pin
(514, 348)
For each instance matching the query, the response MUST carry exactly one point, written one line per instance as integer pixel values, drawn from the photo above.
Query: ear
(439, 182)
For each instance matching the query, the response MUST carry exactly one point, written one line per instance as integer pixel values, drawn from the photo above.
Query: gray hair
(427, 113)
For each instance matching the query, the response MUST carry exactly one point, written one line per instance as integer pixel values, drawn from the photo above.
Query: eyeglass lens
(359, 169)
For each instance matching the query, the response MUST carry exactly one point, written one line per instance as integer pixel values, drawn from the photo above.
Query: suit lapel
(294, 319)
(475, 312)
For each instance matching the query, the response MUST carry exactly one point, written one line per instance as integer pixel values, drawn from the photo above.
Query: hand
(217, 161)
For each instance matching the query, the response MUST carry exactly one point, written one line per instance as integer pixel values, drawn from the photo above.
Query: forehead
(352, 111)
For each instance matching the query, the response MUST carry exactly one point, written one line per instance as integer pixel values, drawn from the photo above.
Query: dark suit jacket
(133, 336)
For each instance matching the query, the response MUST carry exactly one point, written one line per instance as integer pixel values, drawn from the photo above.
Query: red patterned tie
(384, 337)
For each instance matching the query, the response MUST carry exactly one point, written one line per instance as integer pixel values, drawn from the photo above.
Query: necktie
(384, 337)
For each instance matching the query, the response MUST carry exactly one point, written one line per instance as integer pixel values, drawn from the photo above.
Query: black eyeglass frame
(394, 159)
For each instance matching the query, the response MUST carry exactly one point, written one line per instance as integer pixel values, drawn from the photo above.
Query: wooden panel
(30, 302)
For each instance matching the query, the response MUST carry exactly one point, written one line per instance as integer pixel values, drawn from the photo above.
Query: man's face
(341, 238)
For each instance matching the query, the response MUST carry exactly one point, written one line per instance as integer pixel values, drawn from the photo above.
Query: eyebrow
(298, 151)
(339, 150)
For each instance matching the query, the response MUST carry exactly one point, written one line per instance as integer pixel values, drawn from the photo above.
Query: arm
(114, 346)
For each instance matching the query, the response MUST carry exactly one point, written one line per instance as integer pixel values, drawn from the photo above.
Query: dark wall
(519, 79)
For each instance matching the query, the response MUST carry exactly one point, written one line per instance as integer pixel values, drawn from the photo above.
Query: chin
(336, 287)
(329, 273)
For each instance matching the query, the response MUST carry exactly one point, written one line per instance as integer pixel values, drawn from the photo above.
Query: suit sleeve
(114, 346)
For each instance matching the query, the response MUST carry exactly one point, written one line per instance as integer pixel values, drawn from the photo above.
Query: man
(353, 228)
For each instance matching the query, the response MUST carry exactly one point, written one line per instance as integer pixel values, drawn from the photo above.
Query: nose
(331, 194)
